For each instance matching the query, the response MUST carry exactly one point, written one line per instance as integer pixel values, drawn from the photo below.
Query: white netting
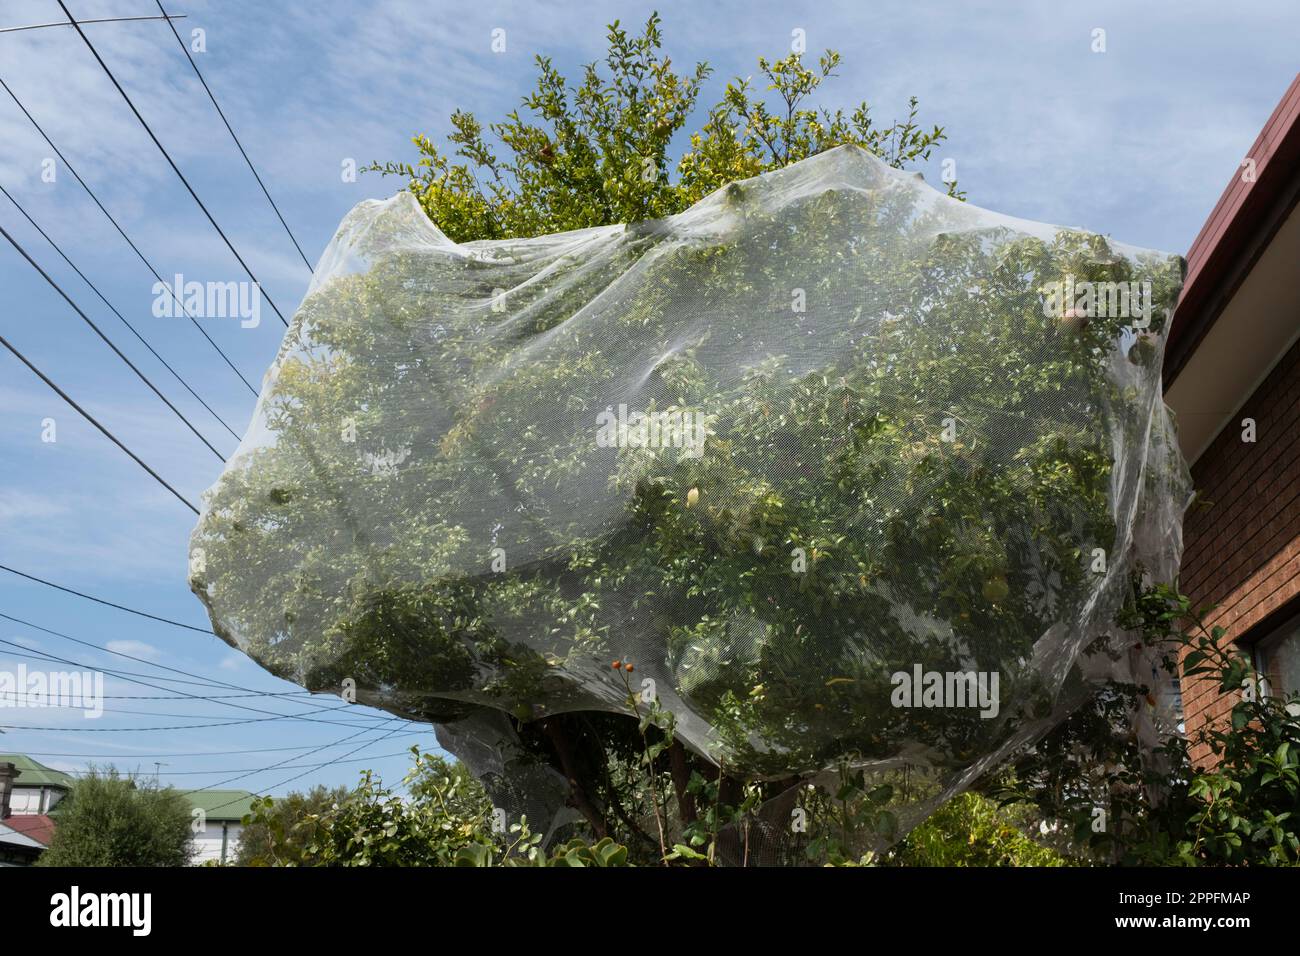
(825, 428)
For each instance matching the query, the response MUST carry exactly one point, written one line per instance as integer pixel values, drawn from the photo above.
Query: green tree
(274, 837)
(373, 825)
(828, 443)
(112, 820)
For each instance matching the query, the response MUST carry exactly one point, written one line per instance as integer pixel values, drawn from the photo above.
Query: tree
(111, 820)
(274, 837)
(373, 826)
(915, 472)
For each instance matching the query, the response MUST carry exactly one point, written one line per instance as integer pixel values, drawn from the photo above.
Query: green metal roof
(33, 774)
(221, 804)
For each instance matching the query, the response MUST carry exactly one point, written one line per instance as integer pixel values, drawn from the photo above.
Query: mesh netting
(852, 472)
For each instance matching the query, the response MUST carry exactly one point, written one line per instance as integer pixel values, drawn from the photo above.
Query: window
(1277, 658)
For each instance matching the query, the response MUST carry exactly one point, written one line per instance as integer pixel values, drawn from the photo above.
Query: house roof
(1243, 221)
(33, 774)
(35, 827)
(221, 804)
(1235, 318)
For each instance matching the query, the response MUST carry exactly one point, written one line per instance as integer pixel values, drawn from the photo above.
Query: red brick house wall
(1233, 347)
(1242, 536)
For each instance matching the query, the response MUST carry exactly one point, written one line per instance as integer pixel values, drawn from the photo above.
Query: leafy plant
(110, 820)
(1238, 808)
(599, 153)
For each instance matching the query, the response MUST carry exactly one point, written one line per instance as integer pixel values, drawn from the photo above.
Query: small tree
(280, 832)
(112, 820)
(971, 830)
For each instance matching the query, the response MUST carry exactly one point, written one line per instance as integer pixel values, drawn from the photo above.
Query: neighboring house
(24, 838)
(36, 788)
(1232, 377)
(217, 838)
(28, 792)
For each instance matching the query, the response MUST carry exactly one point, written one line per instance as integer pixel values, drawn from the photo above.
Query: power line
(176, 169)
(109, 342)
(146, 730)
(186, 50)
(38, 655)
(90, 418)
(292, 766)
(102, 298)
(121, 675)
(130, 657)
(198, 753)
(219, 785)
(122, 232)
(256, 693)
(129, 610)
(175, 670)
(119, 607)
(61, 23)
(40, 705)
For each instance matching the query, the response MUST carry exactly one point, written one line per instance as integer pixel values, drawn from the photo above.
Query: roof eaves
(1238, 230)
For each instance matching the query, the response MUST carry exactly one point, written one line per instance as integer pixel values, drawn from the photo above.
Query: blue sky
(1137, 142)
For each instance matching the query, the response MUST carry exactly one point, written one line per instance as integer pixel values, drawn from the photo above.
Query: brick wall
(1242, 536)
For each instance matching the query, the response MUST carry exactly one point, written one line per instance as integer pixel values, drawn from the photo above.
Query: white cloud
(135, 649)
(17, 505)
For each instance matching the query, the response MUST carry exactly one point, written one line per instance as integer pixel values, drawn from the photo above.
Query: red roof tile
(37, 826)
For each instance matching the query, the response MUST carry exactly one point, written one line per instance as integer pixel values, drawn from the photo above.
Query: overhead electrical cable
(220, 112)
(219, 785)
(94, 288)
(119, 607)
(120, 675)
(175, 670)
(175, 293)
(194, 753)
(64, 23)
(91, 418)
(109, 342)
(171, 162)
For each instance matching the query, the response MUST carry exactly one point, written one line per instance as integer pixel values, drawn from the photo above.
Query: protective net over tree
(854, 474)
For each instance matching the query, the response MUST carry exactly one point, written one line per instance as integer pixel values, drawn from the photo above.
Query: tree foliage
(971, 830)
(1241, 807)
(280, 831)
(600, 152)
(111, 820)
(445, 819)
(353, 545)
